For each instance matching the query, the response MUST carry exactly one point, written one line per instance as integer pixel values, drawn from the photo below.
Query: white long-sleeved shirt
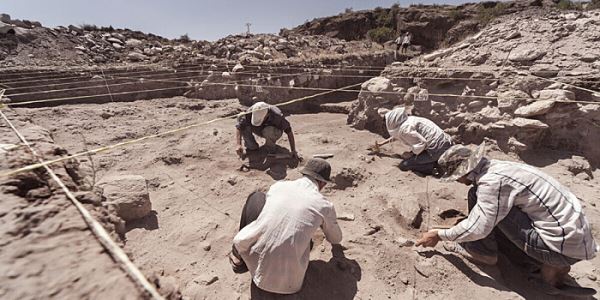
(555, 212)
(421, 134)
(276, 246)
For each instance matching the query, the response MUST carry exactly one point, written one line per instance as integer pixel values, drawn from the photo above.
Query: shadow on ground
(275, 162)
(335, 279)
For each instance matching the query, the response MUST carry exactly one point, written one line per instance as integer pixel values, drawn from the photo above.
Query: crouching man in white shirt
(275, 247)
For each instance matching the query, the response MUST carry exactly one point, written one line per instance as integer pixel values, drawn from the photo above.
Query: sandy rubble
(197, 192)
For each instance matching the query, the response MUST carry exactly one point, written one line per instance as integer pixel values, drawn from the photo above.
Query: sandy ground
(197, 192)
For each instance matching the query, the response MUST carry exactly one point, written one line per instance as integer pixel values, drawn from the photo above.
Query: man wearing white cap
(426, 140)
(540, 216)
(266, 121)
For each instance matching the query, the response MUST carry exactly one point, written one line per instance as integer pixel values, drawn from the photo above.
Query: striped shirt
(555, 212)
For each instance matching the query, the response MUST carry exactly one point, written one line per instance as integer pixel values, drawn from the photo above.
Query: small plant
(593, 4)
(348, 10)
(569, 5)
(486, 15)
(185, 38)
(381, 34)
(456, 14)
(89, 27)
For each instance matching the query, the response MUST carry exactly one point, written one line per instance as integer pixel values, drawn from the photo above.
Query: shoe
(470, 255)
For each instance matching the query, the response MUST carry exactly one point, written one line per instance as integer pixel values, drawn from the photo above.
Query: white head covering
(394, 118)
(259, 113)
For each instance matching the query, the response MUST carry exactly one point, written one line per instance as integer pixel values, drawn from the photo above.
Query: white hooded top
(418, 133)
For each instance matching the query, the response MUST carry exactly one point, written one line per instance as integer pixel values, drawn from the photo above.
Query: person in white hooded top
(426, 140)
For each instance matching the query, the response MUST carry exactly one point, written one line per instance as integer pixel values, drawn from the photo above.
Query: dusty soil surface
(197, 192)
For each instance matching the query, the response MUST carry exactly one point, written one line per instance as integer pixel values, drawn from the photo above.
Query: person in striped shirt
(531, 209)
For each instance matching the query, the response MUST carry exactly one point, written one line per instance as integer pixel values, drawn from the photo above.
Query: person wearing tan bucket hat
(266, 121)
(523, 205)
(276, 228)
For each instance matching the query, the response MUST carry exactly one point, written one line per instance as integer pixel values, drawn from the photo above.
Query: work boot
(490, 260)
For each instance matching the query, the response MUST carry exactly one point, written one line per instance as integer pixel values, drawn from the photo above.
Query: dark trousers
(425, 161)
(254, 205)
(517, 228)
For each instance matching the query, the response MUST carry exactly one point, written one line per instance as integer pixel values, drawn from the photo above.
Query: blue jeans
(517, 228)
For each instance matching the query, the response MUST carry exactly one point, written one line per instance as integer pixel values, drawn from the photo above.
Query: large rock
(535, 109)
(526, 54)
(129, 195)
(509, 100)
(524, 123)
(560, 95)
(363, 114)
(377, 84)
(133, 43)
(544, 70)
(136, 56)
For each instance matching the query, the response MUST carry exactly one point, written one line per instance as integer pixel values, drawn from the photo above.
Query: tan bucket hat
(259, 113)
(459, 160)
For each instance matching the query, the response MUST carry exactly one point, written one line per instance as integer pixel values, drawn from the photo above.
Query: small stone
(206, 246)
(232, 180)
(206, 279)
(374, 229)
(404, 242)
(346, 217)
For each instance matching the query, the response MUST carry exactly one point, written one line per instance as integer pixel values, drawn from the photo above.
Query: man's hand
(406, 155)
(240, 151)
(429, 239)
(375, 148)
(296, 155)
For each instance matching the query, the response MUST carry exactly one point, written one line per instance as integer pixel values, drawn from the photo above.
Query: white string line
(278, 87)
(99, 232)
(569, 84)
(216, 63)
(169, 73)
(137, 80)
(106, 83)
(147, 137)
(174, 70)
(121, 93)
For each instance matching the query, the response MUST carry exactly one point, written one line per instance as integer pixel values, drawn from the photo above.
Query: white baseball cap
(259, 113)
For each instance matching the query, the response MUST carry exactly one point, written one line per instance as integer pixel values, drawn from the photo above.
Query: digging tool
(323, 156)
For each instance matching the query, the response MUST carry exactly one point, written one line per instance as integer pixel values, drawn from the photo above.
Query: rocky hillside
(432, 26)
(527, 69)
(30, 44)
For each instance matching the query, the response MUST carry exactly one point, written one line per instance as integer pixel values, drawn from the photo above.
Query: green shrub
(486, 15)
(381, 34)
(456, 14)
(89, 27)
(594, 4)
(569, 5)
(185, 38)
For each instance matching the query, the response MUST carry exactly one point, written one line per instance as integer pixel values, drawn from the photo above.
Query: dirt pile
(265, 47)
(35, 45)
(46, 246)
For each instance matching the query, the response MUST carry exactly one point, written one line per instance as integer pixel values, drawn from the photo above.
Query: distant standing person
(274, 240)
(406, 42)
(426, 140)
(398, 42)
(266, 121)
